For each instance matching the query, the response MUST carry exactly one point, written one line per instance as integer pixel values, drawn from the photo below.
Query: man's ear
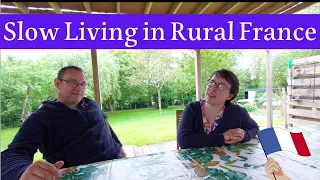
(57, 83)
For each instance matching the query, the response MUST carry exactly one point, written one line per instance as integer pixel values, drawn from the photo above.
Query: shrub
(250, 108)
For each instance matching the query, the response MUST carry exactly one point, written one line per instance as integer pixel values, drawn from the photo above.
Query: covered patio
(161, 8)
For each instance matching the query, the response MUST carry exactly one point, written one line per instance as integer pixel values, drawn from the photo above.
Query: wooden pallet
(303, 92)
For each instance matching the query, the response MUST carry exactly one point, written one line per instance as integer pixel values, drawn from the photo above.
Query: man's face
(71, 88)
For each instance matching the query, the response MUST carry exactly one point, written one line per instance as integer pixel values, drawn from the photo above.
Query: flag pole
(265, 154)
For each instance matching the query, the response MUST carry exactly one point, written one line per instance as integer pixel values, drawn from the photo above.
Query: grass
(7, 136)
(145, 126)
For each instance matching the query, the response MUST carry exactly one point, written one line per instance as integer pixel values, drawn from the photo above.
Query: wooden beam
(95, 71)
(118, 7)
(198, 75)
(252, 7)
(303, 104)
(87, 7)
(202, 7)
(288, 6)
(147, 8)
(279, 6)
(55, 7)
(175, 7)
(228, 8)
(306, 113)
(299, 7)
(303, 121)
(22, 7)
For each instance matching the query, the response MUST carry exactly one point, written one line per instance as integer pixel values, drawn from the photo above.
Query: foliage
(314, 9)
(250, 108)
(280, 65)
(153, 68)
(132, 79)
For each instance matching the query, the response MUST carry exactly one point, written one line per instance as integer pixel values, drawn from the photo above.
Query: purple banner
(107, 31)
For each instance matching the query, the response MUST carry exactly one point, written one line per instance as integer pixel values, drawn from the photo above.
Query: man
(69, 131)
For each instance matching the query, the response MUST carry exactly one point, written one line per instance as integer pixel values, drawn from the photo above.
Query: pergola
(160, 8)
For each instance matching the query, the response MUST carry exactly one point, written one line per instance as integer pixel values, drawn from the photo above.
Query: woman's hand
(238, 134)
(233, 136)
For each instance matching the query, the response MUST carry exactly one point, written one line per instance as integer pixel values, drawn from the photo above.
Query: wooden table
(241, 161)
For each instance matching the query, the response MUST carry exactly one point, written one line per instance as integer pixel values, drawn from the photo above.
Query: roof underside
(154, 7)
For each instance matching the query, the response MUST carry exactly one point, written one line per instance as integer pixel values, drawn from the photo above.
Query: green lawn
(145, 126)
(7, 136)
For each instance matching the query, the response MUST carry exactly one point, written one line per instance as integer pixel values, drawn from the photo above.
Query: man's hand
(123, 153)
(41, 170)
(273, 169)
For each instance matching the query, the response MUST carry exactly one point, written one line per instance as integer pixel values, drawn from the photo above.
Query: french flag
(278, 139)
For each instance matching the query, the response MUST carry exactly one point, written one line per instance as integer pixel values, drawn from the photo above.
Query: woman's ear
(230, 96)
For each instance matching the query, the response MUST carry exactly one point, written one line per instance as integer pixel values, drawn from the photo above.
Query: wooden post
(198, 75)
(284, 105)
(96, 83)
(269, 88)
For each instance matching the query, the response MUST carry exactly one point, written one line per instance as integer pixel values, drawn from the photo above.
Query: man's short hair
(63, 70)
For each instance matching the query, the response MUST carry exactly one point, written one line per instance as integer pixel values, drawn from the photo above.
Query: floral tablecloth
(233, 162)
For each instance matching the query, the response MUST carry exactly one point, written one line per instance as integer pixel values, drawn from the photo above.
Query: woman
(214, 120)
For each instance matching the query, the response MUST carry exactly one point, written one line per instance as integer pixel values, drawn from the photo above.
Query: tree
(108, 75)
(154, 68)
(183, 85)
(132, 95)
(314, 9)
(258, 71)
(280, 64)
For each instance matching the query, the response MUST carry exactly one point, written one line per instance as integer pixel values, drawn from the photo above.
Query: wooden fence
(303, 92)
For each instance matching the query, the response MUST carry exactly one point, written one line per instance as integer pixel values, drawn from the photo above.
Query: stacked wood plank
(303, 100)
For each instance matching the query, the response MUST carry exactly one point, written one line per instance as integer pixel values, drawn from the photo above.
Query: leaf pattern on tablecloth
(229, 163)
(88, 173)
(240, 161)
(210, 164)
(217, 174)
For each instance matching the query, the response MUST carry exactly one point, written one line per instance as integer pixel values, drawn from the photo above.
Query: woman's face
(218, 91)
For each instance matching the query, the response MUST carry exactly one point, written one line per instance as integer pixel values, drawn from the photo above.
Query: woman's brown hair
(231, 78)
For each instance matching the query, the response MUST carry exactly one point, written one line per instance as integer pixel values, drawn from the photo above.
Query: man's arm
(110, 130)
(113, 134)
(188, 139)
(20, 153)
(115, 137)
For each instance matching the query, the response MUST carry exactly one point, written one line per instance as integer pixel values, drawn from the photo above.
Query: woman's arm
(249, 126)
